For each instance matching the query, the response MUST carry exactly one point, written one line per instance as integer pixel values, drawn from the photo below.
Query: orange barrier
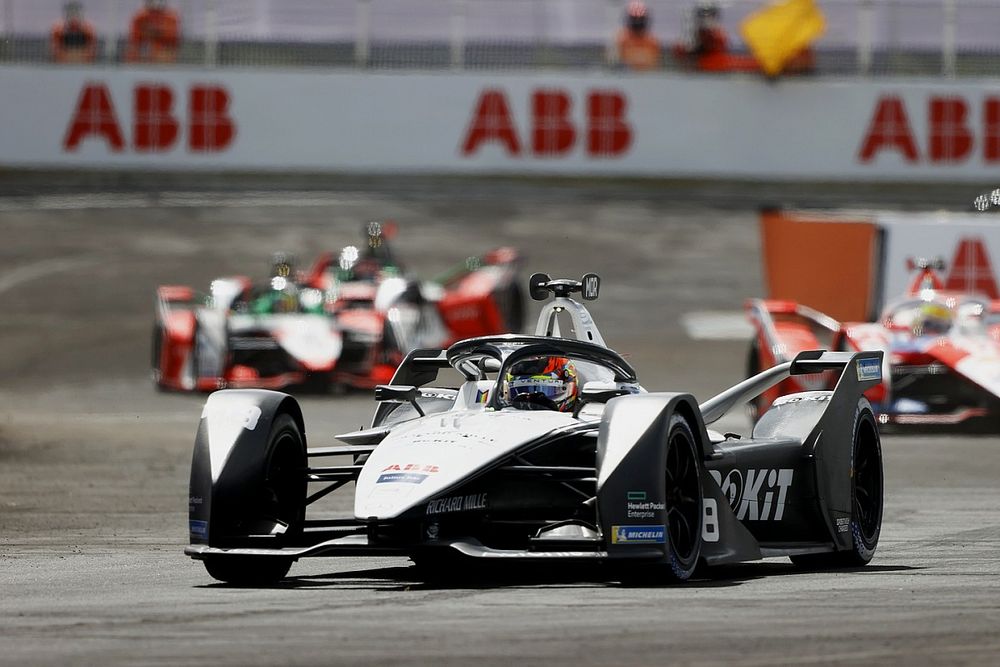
(826, 262)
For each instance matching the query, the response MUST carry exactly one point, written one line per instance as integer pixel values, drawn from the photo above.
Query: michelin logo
(638, 534)
(869, 369)
(198, 528)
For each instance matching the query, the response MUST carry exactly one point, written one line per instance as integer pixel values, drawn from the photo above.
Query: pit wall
(850, 264)
(516, 123)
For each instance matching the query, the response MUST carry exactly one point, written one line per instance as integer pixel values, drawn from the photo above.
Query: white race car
(545, 448)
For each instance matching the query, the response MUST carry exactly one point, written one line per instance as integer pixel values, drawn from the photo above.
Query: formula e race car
(348, 321)
(942, 353)
(547, 449)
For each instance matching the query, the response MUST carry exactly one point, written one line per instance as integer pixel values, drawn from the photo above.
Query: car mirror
(489, 365)
(398, 393)
(597, 391)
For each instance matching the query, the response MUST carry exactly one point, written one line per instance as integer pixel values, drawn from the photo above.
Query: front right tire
(683, 499)
(684, 512)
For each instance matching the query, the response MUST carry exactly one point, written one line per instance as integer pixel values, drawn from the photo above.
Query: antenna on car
(540, 286)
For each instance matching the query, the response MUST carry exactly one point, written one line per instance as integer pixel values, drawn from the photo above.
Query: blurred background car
(347, 322)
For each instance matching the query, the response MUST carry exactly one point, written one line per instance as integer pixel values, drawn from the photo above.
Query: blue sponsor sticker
(638, 534)
(400, 478)
(869, 369)
(198, 528)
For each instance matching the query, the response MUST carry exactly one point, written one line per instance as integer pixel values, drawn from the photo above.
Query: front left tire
(279, 498)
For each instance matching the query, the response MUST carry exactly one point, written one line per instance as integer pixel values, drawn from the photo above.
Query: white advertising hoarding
(969, 244)
(559, 123)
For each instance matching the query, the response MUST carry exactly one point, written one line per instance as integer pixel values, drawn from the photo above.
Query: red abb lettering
(951, 139)
(889, 128)
(154, 126)
(210, 126)
(991, 129)
(608, 134)
(155, 129)
(491, 122)
(971, 270)
(553, 132)
(94, 117)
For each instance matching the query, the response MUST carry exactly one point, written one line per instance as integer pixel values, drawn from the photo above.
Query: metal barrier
(867, 37)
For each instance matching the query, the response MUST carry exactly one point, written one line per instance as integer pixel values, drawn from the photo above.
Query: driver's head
(637, 17)
(545, 383)
(706, 14)
(935, 318)
(282, 265)
(73, 11)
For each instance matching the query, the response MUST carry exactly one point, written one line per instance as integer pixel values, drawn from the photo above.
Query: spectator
(709, 47)
(73, 39)
(637, 48)
(154, 35)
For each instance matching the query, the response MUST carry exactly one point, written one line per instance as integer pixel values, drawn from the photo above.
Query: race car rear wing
(868, 364)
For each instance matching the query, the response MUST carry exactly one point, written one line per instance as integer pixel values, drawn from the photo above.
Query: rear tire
(159, 332)
(511, 303)
(866, 498)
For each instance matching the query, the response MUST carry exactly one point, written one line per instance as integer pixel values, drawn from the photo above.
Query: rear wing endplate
(867, 365)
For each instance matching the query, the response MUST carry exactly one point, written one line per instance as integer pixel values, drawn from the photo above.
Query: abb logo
(553, 131)
(971, 270)
(950, 137)
(155, 127)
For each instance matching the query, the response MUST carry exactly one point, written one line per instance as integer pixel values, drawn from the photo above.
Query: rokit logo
(759, 495)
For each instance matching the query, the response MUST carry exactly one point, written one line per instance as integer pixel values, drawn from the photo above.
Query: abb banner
(969, 244)
(851, 264)
(561, 123)
(155, 125)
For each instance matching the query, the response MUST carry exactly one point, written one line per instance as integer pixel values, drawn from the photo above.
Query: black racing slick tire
(683, 499)
(867, 485)
(159, 332)
(280, 498)
(684, 512)
(510, 301)
(248, 570)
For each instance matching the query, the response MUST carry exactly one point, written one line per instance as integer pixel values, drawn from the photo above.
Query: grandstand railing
(863, 37)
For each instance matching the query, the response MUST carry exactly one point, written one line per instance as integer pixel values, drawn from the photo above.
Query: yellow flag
(779, 31)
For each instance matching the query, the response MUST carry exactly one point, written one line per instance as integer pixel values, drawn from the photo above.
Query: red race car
(942, 353)
(348, 321)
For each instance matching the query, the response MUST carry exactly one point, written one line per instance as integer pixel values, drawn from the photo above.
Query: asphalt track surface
(94, 462)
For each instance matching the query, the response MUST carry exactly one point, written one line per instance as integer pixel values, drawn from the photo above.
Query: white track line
(23, 274)
(96, 200)
(717, 325)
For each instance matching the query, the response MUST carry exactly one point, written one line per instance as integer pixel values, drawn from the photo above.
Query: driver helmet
(545, 383)
(637, 16)
(934, 318)
(283, 266)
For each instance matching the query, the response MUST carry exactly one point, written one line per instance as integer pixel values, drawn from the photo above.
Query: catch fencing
(866, 37)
